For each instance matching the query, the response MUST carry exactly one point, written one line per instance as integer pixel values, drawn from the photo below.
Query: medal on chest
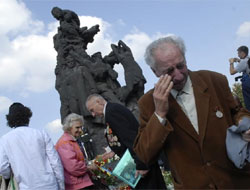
(218, 113)
(112, 139)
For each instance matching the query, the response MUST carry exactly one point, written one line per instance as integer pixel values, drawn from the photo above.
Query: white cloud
(102, 39)
(138, 41)
(54, 126)
(29, 65)
(8, 22)
(4, 103)
(27, 59)
(15, 17)
(244, 30)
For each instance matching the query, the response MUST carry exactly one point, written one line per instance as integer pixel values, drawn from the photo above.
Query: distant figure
(75, 164)
(121, 131)
(29, 153)
(242, 67)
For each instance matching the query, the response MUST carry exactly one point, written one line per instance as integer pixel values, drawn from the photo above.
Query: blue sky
(211, 29)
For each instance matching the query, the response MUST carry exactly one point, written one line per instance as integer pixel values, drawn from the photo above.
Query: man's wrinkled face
(95, 107)
(169, 60)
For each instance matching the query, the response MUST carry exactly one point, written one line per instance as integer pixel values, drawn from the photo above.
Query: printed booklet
(125, 170)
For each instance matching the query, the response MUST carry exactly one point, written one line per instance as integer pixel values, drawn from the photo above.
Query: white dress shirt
(104, 109)
(185, 98)
(33, 159)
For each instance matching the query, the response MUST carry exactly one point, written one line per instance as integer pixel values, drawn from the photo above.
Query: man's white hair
(173, 39)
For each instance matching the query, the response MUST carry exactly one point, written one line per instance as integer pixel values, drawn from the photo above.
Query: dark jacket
(125, 126)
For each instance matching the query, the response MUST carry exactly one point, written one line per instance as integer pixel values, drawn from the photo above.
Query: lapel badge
(218, 113)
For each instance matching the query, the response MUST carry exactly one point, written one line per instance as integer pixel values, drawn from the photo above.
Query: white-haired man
(187, 115)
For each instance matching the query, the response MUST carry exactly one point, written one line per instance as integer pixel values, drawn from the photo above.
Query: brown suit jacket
(197, 161)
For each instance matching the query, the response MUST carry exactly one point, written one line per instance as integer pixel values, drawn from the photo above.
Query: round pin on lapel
(219, 114)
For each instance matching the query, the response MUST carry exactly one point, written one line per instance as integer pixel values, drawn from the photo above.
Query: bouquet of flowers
(104, 173)
(168, 179)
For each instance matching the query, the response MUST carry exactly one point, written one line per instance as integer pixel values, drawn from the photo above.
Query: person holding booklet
(121, 131)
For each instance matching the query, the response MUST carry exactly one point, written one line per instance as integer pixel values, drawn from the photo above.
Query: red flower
(110, 131)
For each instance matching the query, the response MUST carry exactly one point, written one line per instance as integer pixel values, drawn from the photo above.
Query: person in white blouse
(29, 153)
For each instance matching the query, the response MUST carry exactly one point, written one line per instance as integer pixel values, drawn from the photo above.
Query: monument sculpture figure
(134, 78)
(78, 74)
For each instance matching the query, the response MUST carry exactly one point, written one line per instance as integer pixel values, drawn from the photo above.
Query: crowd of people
(186, 115)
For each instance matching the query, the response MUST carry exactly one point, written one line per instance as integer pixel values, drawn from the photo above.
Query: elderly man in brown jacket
(187, 115)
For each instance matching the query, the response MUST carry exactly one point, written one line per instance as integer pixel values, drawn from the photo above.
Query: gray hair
(173, 39)
(69, 119)
(96, 96)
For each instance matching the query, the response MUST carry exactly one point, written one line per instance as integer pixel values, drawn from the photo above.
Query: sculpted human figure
(70, 28)
(133, 74)
(66, 18)
(73, 75)
(106, 78)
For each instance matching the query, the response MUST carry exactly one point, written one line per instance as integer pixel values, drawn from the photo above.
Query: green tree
(237, 91)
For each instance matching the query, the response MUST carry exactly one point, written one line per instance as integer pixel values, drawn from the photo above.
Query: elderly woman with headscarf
(29, 153)
(76, 171)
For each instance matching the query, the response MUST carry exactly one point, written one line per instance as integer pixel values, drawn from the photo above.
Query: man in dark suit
(187, 115)
(121, 131)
